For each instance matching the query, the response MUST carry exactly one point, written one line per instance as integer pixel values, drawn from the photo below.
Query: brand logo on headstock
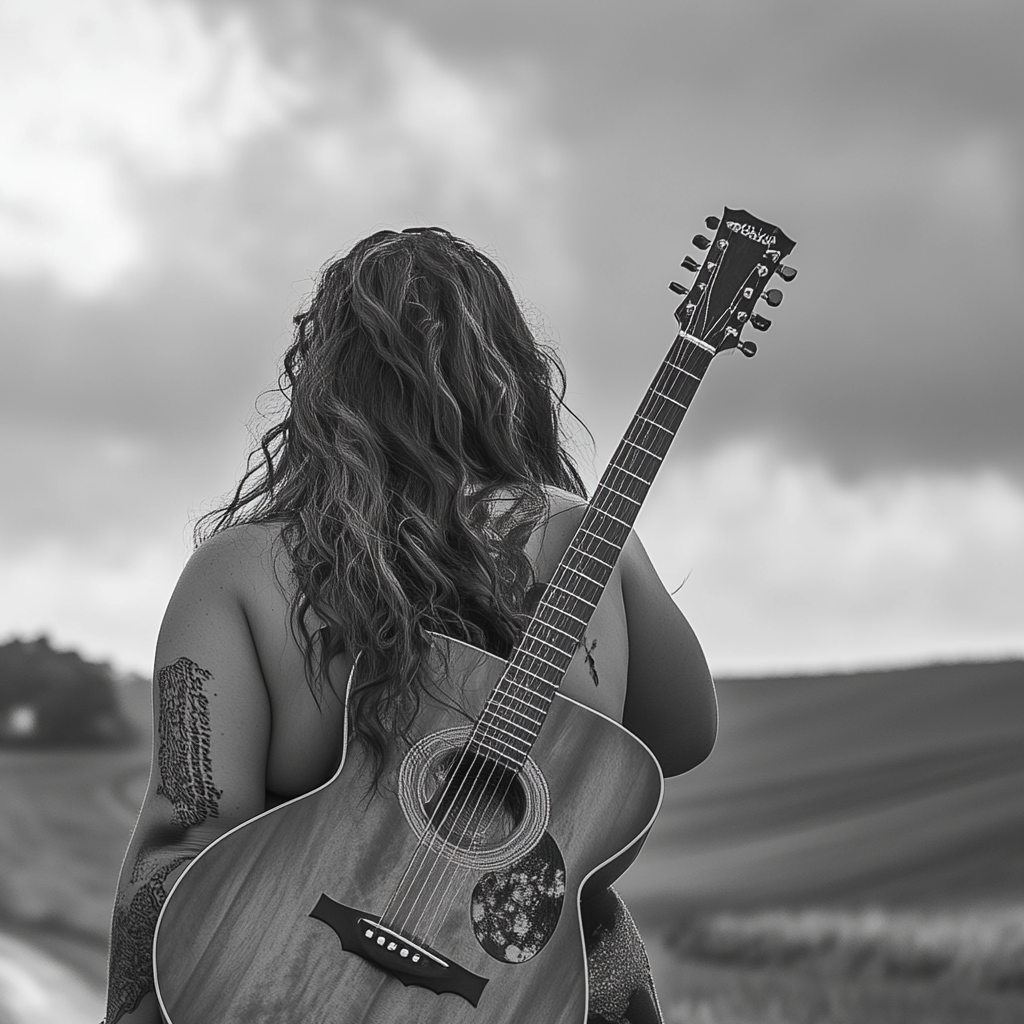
(749, 231)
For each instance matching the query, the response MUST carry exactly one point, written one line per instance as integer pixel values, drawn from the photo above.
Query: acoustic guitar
(451, 893)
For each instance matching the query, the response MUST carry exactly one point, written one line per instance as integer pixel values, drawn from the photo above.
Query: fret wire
(507, 709)
(529, 732)
(525, 686)
(655, 423)
(493, 726)
(586, 577)
(498, 755)
(654, 455)
(669, 397)
(483, 741)
(637, 428)
(578, 550)
(557, 668)
(519, 667)
(582, 622)
(579, 597)
(611, 490)
(619, 493)
(546, 643)
(604, 540)
(616, 518)
(505, 743)
(681, 369)
(557, 630)
(622, 469)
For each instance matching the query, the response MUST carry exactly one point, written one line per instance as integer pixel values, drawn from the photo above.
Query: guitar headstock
(741, 259)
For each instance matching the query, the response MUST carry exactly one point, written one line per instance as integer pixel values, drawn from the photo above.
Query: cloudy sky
(175, 172)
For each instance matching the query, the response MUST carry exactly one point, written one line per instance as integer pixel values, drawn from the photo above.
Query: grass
(836, 966)
(894, 794)
(980, 948)
(66, 819)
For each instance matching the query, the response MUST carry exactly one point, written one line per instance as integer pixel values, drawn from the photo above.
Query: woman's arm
(211, 733)
(670, 697)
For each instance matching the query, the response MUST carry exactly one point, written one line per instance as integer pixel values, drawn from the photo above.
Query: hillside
(851, 853)
(900, 787)
(874, 811)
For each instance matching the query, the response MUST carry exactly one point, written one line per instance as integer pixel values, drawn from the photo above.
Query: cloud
(97, 95)
(789, 566)
(104, 599)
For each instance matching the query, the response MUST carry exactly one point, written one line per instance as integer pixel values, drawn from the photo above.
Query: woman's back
(412, 372)
(306, 736)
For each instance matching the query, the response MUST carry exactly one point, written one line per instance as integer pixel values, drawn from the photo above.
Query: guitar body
(280, 920)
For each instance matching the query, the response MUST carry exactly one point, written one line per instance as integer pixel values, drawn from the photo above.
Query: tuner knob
(712, 222)
(679, 289)
(689, 263)
(748, 348)
(701, 242)
(773, 296)
(759, 323)
(786, 273)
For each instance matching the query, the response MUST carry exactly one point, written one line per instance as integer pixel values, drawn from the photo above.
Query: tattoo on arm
(186, 781)
(186, 777)
(131, 936)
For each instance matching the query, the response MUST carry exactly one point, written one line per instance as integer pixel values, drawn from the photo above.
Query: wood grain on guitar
(451, 893)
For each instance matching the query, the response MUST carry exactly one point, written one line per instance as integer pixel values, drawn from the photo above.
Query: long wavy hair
(414, 390)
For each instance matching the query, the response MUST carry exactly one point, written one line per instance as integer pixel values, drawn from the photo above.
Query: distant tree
(57, 698)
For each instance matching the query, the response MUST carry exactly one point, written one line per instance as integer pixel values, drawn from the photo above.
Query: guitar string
(421, 853)
(440, 905)
(466, 779)
(490, 811)
(443, 904)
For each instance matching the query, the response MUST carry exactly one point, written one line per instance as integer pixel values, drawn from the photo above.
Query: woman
(415, 483)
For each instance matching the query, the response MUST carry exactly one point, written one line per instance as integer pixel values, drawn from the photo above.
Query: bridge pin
(380, 940)
(403, 952)
(392, 945)
(415, 958)
(369, 933)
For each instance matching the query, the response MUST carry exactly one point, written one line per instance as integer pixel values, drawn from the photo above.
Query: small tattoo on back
(588, 654)
(186, 773)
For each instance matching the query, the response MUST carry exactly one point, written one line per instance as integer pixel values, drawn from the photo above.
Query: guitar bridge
(411, 963)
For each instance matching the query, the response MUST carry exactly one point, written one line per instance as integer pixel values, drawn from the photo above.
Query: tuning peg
(679, 289)
(786, 273)
(773, 296)
(689, 263)
(759, 323)
(748, 348)
(712, 222)
(701, 242)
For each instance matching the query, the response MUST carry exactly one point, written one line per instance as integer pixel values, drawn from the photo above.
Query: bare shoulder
(241, 556)
(670, 696)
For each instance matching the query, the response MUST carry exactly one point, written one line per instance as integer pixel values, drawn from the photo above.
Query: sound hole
(472, 802)
(487, 817)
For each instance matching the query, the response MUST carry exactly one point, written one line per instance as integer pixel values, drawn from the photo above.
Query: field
(853, 851)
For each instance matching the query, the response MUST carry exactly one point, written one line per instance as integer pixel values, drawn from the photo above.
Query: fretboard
(513, 715)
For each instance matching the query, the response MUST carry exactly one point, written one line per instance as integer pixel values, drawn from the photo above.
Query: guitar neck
(744, 255)
(515, 712)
